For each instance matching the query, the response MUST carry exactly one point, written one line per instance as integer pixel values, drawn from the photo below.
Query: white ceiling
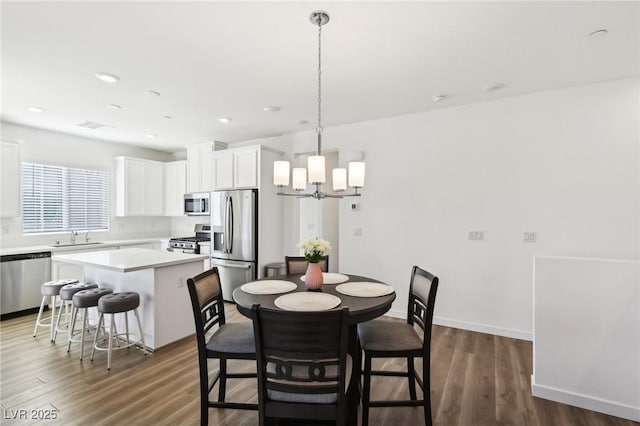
(230, 59)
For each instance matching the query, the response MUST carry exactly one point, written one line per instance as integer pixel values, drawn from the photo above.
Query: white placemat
(364, 289)
(268, 287)
(307, 301)
(331, 278)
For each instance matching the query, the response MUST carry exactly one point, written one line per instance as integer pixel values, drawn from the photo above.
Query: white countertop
(130, 259)
(76, 247)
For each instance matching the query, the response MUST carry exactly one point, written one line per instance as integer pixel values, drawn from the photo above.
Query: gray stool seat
(118, 302)
(89, 298)
(67, 292)
(52, 288)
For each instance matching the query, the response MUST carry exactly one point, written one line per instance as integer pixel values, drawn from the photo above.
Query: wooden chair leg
(426, 383)
(366, 389)
(204, 393)
(222, 390)
(411, 370)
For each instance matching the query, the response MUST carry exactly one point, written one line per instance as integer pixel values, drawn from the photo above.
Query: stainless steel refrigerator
(234, 237)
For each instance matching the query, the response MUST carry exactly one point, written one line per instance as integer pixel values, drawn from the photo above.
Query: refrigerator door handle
(231, 224)
(226, 226)
(231, 265)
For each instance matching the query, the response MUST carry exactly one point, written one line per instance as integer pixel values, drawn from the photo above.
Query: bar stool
(84, 299)
(66, 294)
(50, 289)
(114, 304)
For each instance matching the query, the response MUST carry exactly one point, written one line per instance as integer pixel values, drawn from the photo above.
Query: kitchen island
(159, 277)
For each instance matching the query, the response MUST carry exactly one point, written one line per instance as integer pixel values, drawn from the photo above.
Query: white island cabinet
(159, 277)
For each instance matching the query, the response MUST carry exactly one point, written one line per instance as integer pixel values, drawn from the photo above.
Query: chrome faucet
(74, 234)
(86, 237)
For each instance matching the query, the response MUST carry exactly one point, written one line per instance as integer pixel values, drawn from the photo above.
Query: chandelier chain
(319, 128)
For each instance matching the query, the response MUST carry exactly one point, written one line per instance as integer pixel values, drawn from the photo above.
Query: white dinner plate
(364, 289)
(307, 301)
(331, 278)
(268, 287)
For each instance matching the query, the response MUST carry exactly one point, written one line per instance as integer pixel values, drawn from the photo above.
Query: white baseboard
(472, 326)
(611, 408)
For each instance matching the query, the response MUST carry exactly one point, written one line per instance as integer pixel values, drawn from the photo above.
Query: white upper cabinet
(10, 179)
(223, 169)
(245, 168)
(175, 186)
(139, 187)
(236, 168)
(200, 168)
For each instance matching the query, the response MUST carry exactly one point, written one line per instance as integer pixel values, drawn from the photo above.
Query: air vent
(93, 125)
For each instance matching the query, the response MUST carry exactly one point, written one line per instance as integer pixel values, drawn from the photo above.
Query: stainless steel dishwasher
(21, 276)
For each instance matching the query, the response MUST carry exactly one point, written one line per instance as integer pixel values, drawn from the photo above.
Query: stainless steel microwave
(196, 204)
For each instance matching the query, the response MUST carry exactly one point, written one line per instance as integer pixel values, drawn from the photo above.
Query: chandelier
(315, 171)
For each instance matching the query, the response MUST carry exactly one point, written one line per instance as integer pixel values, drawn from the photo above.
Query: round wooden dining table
(360, 309)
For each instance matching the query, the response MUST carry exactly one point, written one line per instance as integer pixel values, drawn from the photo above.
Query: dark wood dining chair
(391, 339)
(303, 366)
(298, 264)
(233, 340)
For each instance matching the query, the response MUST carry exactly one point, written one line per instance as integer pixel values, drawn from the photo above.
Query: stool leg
(54, 301)
(126, 324)
(144, 347)
(35, 329)
(55, 329)
(74, 314)
(85, 320)
(113, 325)
(95, 338)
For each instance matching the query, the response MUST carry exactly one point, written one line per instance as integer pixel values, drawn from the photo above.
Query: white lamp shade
(315, 164)
(356, 174)
(281, 173)
(339, 179)
(299, 178)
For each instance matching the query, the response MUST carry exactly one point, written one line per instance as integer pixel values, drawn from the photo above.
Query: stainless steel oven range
(198, 244)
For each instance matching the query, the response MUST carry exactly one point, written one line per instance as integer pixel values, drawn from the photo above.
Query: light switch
(357, 232)
(530, 237)
(355, 206)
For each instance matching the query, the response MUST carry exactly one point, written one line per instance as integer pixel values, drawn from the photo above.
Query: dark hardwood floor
(477, 379)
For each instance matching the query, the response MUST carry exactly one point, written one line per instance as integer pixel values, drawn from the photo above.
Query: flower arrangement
(314, 249)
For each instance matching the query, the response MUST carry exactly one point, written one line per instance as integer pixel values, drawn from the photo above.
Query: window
(56, 198)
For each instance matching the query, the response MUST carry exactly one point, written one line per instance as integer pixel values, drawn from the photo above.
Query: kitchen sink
(76, 244)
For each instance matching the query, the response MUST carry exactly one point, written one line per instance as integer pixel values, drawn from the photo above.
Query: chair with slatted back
(298, 264)
(391, 339)
(303, 366)
(233, 340)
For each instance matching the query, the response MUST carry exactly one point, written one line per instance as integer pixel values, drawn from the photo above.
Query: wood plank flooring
(477, 379)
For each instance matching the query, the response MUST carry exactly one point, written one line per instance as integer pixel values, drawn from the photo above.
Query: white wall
(562, 163)
(42, 146)
(586, 350)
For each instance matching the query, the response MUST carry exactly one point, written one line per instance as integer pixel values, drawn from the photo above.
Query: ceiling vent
(93, 125)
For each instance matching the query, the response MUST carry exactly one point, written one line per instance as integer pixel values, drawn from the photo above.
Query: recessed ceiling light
(224, 120)
(151, 135)
(167, 117)
(151, 92)
(302, 122)
(599, 34)
(107, 78)
(271, 108)
(493, 87)
(34, 109)
(438, 98)
(114, 106)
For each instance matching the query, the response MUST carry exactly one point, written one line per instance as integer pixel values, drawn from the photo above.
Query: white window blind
(56, 198)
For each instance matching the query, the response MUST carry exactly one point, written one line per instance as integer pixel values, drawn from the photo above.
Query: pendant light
(315, 171)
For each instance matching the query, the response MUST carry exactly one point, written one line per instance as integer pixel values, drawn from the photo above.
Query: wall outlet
(182, 282)
(476, 235)
(357, 232)
(530, 237)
